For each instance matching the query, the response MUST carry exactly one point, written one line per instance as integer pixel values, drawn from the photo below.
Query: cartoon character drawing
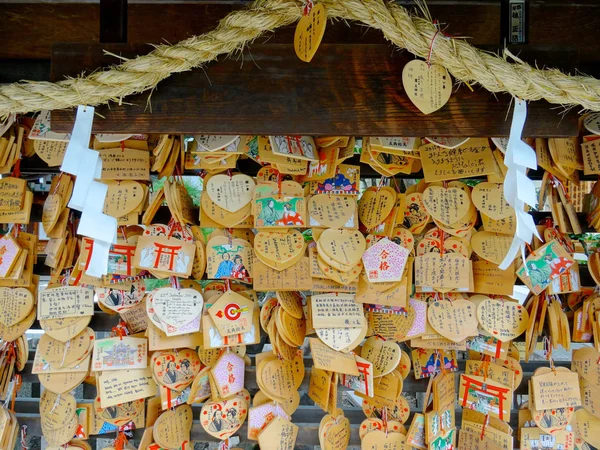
(539, 274)
(182, 261)
(216, 421)
(175, 230)
(225, 266)
(275, 177)
(182, 373)
(397, 162)
(290, 217)
(232, 417)
(555, 419)
(432, 365)
(172, 375)
(414, 215)
(223, 420)
(111, 412)
(268, 214)
(339, 183)
(557, 265)
(185, 369)
(239, 270)
(120, 297)
(545, 269)
(147, 257)
(114, 298)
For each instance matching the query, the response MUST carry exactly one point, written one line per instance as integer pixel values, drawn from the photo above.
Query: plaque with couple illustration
(543, 265)
(272, 212)
(229, 259)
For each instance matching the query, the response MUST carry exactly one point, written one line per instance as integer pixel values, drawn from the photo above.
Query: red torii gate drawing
(169, 251)
(498, 392)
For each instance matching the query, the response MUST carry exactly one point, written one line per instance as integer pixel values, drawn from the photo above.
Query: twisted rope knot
(415, 34)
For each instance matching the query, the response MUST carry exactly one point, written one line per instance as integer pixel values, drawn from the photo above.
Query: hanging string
(122, 230)
(530, 249)
(60, 176)
(65, 351)
(178, 178)
(435, 35)
(384, 419)
(174, 282)
(559, 185)
(548, 351)
(17, 384)
(485, 424)
(24, 438)
(396, 184)
(56, 402)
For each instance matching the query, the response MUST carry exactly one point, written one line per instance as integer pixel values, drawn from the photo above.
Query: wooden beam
(345, 90)
(113, 21)
(13, 70)
(29, 30)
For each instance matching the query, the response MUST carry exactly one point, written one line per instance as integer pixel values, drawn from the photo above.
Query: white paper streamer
(519, 190)
(98, 265)
(89, 195)
(80, 139)
(90, 165)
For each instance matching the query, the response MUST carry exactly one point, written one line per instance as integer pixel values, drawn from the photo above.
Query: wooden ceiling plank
(29, 29)
(345, 90)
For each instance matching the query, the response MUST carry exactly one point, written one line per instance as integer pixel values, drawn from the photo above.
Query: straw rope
(465, 62)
